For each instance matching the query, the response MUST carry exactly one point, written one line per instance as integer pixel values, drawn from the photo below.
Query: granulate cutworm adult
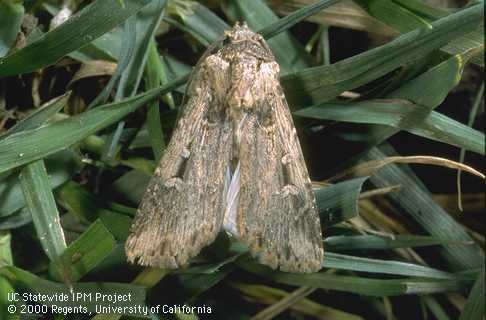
(234, 162)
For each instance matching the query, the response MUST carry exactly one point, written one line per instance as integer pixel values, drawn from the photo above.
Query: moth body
(234, 162)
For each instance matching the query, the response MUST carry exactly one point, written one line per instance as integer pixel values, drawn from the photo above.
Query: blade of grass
(371, 167)
(195, 284)
(61, 166)
(11, 14)
(393, 14)
(279, 307)
(339, 202)
(24, 281)
(86, 206)
(353, 284)
(439, 79)
(474, 308)
(344, 14)
(299, 15)
(16, 220)
(125, 54)
(434, 125)
(39, 116)
(90, 23)
(87, 251)
(155, 76)
(470, 122)
(372, 242)
(6, 289)
(436, 309)
(145, 22)
(414, 199)
(268, 295)
(27, 146)
(131, 185)
(407, 15)
(5, 249)
(353, 263)
(192, 17)
(106, 47)
(139, 30)
(118, 224)
(147, 278)
(320, 84)
(42, 206)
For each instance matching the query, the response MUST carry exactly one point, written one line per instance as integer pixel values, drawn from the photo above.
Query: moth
(234, 163)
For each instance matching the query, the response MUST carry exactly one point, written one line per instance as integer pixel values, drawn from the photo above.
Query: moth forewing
(234, 163)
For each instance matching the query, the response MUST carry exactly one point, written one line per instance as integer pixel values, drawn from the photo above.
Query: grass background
(386, 97)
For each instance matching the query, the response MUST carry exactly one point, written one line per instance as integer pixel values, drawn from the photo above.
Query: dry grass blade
(379, 192)
(93, 68)
(370, 167)
(282, 305)
(470, 122)
(345, 14)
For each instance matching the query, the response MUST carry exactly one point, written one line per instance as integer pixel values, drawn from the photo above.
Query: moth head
(241, 32)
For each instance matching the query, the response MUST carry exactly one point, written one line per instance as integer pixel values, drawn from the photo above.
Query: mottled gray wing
(277, 216)
(183, 206)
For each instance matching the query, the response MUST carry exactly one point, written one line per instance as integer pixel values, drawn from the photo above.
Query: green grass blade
(197, 283)
(434, 306)
(441, 79)
(86, 206)
(106, 47)
(139, 30)
(414, 199)
(295, 17)
(118, 224)
(27, 146)
(192, 17)
(5, 289)
(433, 125)
(470, 122)
(11, 14)
(84, 254)
(17, 220)
(82, 28)
(148, 278)
(406, 15)
(24, 281)
(5, 249)
(474, 308)
(132, 185)
(125, 53)
(319, 84)
(353, 284)
(371, 242)
(393, 14)
(339, 202)
(40, 116)
(61, 166)
(154, 75)
(352, 263)
(40, 201)
(145, 23)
